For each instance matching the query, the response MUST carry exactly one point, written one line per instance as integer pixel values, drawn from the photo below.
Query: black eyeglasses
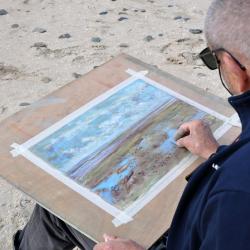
(210, 59)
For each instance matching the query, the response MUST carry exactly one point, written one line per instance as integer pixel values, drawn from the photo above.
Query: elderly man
(214, 211)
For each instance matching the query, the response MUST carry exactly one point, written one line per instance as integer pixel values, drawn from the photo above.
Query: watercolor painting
(122, 146)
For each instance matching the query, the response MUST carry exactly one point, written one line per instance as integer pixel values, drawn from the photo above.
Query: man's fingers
(109, 237)
(187, 126)
(184, 142)
(100, 246)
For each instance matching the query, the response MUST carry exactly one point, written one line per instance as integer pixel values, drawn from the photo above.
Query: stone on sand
(3, 12)
(23, 104)
(103, 13)
(148, 38)
(195, 31)
(39, 45)
(63, 36)
(46, 79)
(14, 26)
(122, 18)
(96, 39)
(39, 30)
(123, 45)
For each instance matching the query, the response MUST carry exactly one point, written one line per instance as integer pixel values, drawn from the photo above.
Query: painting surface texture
(122, 146)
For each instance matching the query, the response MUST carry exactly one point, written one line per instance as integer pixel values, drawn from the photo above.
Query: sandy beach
(44, 44)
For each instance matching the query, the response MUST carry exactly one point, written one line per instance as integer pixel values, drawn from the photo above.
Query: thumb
(183, 142)
(108, 237)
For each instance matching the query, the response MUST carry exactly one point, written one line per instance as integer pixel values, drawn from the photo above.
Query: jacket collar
(241, 103)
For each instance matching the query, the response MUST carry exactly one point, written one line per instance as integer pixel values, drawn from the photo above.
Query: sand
(35, 61)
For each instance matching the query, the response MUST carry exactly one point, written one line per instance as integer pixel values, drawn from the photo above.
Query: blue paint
(168, 146)
(111, 183)
(198, 116)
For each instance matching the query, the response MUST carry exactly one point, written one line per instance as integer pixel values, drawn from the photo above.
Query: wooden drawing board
(154, 219)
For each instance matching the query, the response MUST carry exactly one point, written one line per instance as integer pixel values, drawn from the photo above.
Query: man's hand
(114, 243)
(199, 140)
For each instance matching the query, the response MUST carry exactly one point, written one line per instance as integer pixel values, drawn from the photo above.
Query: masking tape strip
(120, 217)
(17, 149)
(234, 120)
(135, 73)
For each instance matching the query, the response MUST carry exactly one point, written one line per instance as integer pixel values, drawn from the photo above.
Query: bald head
(228, 26)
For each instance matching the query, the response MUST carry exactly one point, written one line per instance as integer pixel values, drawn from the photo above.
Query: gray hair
(227, 26)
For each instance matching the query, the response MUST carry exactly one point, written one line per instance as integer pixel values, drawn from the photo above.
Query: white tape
(121, 219)
(234, 120)
(17, 149)
(135, 73)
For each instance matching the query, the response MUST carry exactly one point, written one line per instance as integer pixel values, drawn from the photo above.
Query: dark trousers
(44, 231)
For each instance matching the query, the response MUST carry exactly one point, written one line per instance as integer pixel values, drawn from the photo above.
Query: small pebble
(122, 13)
(195, 31)
(160, 34)
(122, 18)
(103, 13)
(23, 104)
(124, 45)
(124, 9)
(3, 109)
(148, 38)
(186, 19)
(96, 39)
(14, 26)
(63, 36)
(170, 6)
(181, 40)
(3, 12)
(178, 18)
(201, 75)
(39, 30)
(76, 75)
(95, 67)
(40, 45)
(46, 79)
(143, 11)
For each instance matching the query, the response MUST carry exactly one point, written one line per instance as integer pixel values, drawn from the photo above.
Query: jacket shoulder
(234, 173)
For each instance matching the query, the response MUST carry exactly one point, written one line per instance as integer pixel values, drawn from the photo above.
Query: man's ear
(238, 78)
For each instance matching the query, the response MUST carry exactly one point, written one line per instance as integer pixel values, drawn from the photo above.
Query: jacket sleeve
(225, 222)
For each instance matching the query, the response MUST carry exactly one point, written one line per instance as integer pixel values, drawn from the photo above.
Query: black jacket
(214, 211)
